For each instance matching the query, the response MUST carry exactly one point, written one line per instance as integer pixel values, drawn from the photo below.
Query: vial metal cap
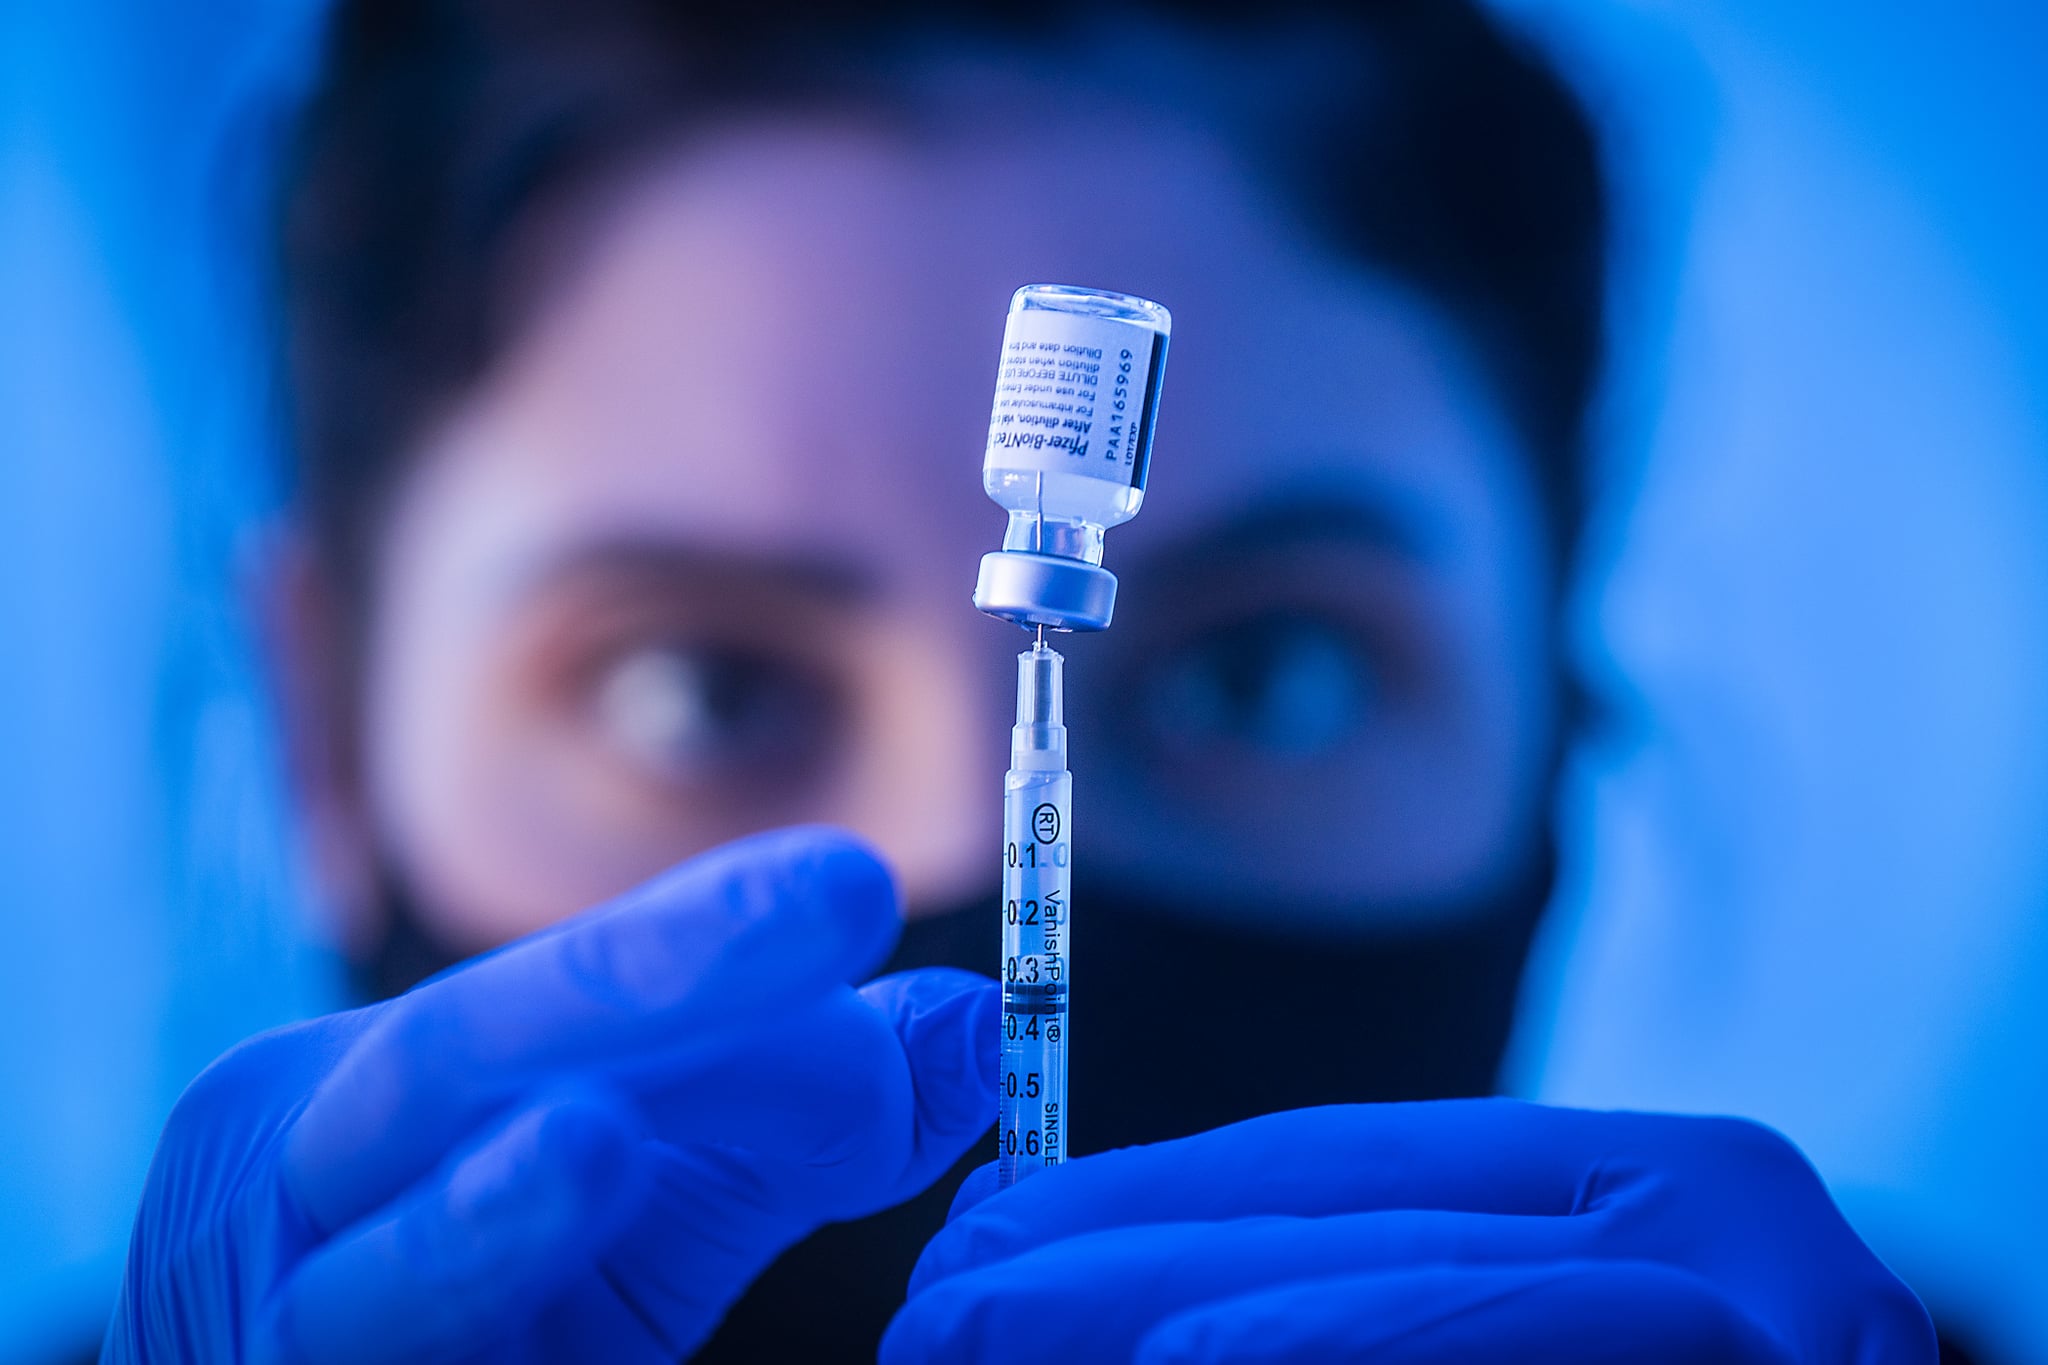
(1045, 590)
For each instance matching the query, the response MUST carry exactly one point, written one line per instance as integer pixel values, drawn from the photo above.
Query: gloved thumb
(948, 1022)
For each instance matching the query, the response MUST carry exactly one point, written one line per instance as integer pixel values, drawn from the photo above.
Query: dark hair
(444, 126)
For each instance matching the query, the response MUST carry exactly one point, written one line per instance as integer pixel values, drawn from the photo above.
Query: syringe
(1031, 1122)
(1069, 444)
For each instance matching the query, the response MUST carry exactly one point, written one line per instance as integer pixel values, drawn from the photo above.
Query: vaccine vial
(1069, 442)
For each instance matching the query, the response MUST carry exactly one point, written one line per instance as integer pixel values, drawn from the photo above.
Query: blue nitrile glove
(1467, 1231)
(582, 1147)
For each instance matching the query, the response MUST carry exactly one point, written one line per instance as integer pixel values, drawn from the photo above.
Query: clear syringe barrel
(1032, 1117)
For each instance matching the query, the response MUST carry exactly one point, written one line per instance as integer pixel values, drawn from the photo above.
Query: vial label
(1075, 394)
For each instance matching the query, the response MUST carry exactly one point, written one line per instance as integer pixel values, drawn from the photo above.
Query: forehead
(786, 331)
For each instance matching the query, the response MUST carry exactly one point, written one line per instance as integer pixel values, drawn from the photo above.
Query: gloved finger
(824, 1084)
(712, 1221)
(1563, 1313)
(1492, 1156)
(718, 1215)
(1112, 1287)
(981, 1183)
(949, 1023)
(749, 932)
(856, 1103)
(474, 1249)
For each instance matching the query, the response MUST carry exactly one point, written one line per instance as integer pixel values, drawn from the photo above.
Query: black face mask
(407, 952)
(1191, 1022)
(1181, 1023)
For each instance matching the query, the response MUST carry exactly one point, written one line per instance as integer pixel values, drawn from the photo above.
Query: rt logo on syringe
(1045, 822)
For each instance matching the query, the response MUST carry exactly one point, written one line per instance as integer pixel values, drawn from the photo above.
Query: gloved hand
(581, 1147)
(1468, 1231)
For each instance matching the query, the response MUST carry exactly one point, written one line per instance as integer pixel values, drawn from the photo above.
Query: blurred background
(1804, 876)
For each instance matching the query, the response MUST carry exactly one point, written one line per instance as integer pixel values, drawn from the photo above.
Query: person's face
(695, 558)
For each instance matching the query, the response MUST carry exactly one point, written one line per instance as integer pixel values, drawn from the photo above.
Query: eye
(689, 713)
(1292, 687)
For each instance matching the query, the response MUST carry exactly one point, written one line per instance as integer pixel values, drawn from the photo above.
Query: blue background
(1806, 862)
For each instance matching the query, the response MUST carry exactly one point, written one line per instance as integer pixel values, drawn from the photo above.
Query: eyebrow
(839, 580)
